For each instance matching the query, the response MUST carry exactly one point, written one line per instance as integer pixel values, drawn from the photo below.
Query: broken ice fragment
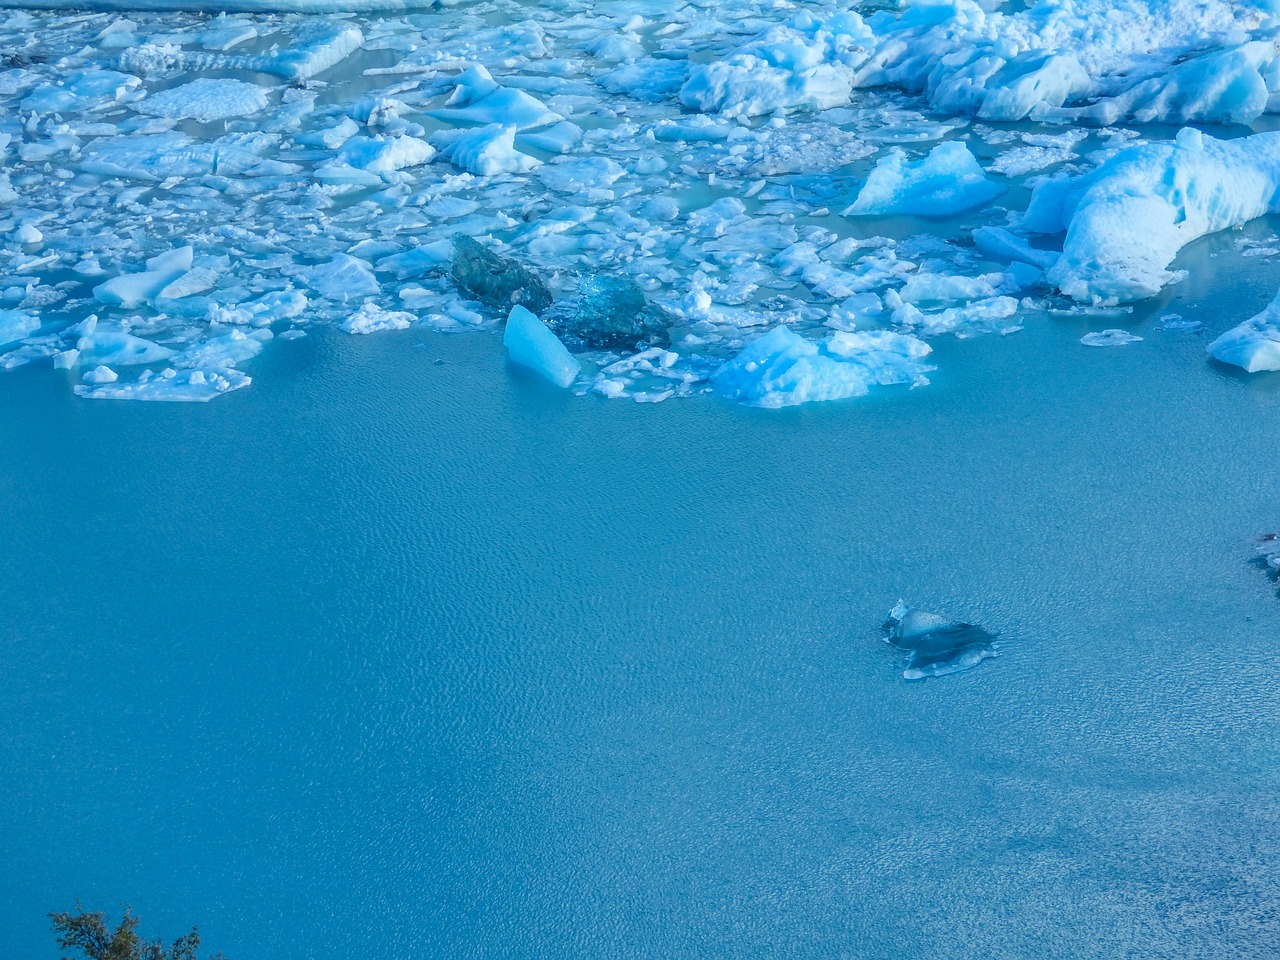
(935, 645)
(132, 290)
(371, 318)
(531, 344)
(1109, 338)
(610, 313)
(1254, 345)
(206, 100)
(496, 280)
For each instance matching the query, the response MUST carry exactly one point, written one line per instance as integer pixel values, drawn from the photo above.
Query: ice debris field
(778, 202)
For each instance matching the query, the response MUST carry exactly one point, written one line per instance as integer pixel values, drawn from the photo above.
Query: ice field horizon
(493, 479)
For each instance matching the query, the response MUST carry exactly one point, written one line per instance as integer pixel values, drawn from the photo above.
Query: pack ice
(778, 204)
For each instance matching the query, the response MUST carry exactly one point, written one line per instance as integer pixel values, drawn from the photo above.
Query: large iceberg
(1126, 221)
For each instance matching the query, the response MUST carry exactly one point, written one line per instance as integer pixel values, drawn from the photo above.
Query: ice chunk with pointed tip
(947, 181)
(935, 645)
(496, 280)
(782, 368)
(1254, 345)
(531, 344)
(610, 313)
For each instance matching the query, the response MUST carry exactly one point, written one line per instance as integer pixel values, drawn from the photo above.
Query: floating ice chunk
(650, 80)
(807, 63)
(101, 374)
(927, 287)
(580, 173)
(485, 152)
(609, 313)
(496, 280)
(28, 234)
(224, 352)
(316, 47)
(782, 368)
(384, 154)
(1254, 345)
(371, 318)
(505, 106)
(205, 100)
(935, 645)
(471, 85)
(419, 260)
(1127, 220)
(971, 319)
(80, 90)
(1109, 338)
(341, 278)
(117, 348)
(1001, 244)
(171, 385)
(531, 344)
(748, 86)
(132, 290)
(557, 138)
(947, 181)
(15, 325)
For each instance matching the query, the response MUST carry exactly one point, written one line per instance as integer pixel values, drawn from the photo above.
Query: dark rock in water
(610, 313)
(498, 281)
(936, 645)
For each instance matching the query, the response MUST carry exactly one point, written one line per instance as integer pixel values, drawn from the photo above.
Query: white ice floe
(1254, 345)
(206, 100)
(531, 343)
(371, 318)
(782, 368)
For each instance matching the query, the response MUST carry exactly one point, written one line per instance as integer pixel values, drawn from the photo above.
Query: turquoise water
(402, 654)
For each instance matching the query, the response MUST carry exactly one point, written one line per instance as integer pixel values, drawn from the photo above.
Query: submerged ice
(936, 646)
(688, 198)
